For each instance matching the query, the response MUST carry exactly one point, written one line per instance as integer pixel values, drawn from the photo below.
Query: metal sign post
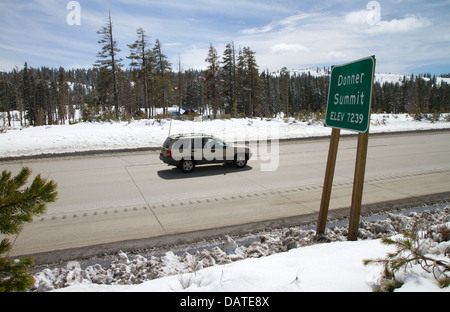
(349, 103)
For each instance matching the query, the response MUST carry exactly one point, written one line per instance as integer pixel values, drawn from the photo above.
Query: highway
(134, 201)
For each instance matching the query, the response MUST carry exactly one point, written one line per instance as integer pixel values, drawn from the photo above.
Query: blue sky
(407, 36)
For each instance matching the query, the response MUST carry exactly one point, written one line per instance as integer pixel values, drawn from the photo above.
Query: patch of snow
(82, 137)
(285, 260)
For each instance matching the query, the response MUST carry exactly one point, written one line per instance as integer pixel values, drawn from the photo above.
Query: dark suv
(186, 151)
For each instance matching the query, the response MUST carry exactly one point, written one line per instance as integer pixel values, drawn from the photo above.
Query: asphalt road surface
(133, 200)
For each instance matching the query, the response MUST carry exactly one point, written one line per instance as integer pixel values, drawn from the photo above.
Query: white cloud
(256, 30)
(288, 48)
(287, 23)
(357, 18)
(407, 24)
(412, 22)
(195, 57)
(336, 55)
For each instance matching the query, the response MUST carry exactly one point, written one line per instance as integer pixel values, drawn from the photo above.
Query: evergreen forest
(232, 85)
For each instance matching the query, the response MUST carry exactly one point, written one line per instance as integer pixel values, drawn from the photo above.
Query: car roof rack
(190, 134)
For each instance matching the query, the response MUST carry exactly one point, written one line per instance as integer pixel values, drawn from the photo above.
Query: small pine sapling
(409, 251)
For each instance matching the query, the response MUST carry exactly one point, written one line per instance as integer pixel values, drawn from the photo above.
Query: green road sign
(350, 95)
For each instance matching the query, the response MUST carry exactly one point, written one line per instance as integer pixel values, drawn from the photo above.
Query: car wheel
(240, 161)
(187, 166)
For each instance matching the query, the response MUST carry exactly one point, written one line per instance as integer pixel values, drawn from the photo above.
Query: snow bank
(286, 260)
(83, 137)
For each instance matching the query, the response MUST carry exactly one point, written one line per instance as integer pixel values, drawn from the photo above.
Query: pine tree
(194, 92)
(63, 89)
(266, 97)
(240, 87)
(181, 86)
(228, 73)
(27, 93)
(251, 80)
(126, 94)
(142, 61)
(17, 206)
(163, 83)
(212, 80)
(285, 86)
(5, 100)
(108, 58)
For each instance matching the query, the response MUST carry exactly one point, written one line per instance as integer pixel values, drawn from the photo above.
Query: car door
(213, 150)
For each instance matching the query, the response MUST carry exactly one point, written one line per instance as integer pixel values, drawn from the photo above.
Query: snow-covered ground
(83, 137)
(282, 261)
(286, 260)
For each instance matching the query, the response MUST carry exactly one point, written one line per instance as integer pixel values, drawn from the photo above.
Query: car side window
(219, 144)
(209, 143)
